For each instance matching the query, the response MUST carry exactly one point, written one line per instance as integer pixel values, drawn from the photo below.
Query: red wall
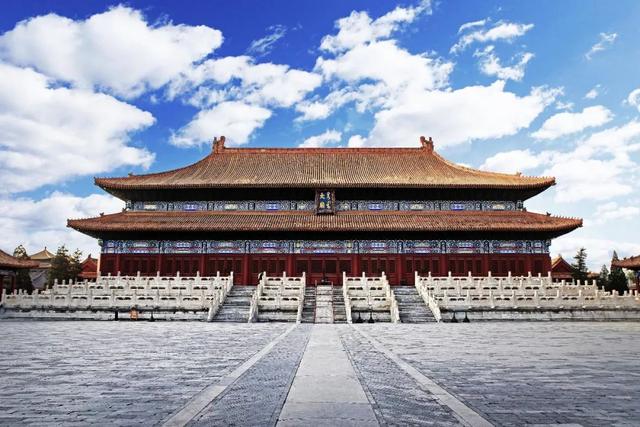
(398, 267)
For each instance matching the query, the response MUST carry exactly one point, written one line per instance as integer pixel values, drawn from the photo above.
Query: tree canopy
(23, 279)
(579, 267)
(617, 278)
(65, 266)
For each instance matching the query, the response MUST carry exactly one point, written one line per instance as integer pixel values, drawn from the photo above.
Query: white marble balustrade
(527, 292)
(281, 293)
(364, 293)
(126, 292)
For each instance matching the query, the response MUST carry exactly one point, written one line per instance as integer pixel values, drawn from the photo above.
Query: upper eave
(420, 168)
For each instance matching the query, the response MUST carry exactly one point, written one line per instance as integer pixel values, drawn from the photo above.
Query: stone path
(326, 390)
(257, 397)
(506, 374)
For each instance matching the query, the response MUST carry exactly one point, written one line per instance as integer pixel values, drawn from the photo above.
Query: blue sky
(102, 89)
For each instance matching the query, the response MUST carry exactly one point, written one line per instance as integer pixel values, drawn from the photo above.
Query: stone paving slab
(326, 388)
(115, 373)
(513, 374)
(256, 398)
(529, 373)
(398, 399)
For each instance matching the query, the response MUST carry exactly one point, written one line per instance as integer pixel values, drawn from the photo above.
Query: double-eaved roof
(324, 168)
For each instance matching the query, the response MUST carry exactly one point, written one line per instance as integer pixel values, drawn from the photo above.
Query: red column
(290, 271)
(117, 264)
(528, 265)
(246, 259)
(355, 265)
(201, 264)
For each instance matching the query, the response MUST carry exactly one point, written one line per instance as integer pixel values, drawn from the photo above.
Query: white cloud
(117, 50)
(265, 45)
(49, 134)
(491, 66)
(326, 138)
(634, 98)
(564, 105)
(593, 93)
(356, 141)
(473, 24)
(233, 119)
(606, 40)
(599, 251)
(239, 78)
(613, 211)
(458, 116)
(599, 167)
(237, 96)
(401, 69)
(513, 161)
(38, 223)
(411, 92)
(358, 28)
(566, 123)
(502, 30)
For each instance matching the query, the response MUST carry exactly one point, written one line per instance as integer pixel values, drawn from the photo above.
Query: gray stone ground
(115, 373)
(530, 373)
(127, 373)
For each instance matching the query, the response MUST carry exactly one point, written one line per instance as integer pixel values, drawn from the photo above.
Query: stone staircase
(236, 306)
(411, 305)
(309, 307)
(339, 312)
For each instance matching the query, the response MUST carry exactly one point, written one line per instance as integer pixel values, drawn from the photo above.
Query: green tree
(65, 266)
(579, 267)
(75, 265)
(603, 278)
(617, 278)
(59, 266)
(23, 280)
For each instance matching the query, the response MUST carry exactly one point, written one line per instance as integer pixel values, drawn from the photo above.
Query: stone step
(277, 316)
(236, 305)
(411, 306)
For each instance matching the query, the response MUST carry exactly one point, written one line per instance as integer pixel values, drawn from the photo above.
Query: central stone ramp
(411, 306)
(236, 306)
(326, 389)
(324, 304)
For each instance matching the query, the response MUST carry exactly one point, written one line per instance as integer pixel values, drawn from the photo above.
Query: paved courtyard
(191, 373)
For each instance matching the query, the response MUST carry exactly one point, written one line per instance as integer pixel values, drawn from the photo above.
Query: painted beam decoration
(326, 203)
(326, 246)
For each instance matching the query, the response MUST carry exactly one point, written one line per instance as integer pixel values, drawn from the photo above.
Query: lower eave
(632, 263)
(309, 222)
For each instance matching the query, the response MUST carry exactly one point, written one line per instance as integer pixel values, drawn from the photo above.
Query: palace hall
(322, 212)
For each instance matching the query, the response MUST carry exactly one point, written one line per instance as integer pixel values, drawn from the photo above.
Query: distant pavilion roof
(632, 263)
(11, 262)
(324, 168)
(43, 255)
(286, 221)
